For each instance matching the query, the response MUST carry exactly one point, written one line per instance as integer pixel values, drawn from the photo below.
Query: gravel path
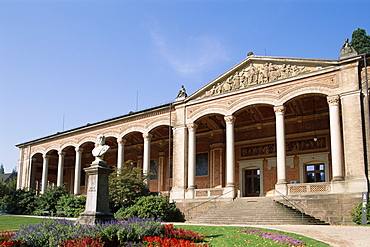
(342, 236)
(336, 236)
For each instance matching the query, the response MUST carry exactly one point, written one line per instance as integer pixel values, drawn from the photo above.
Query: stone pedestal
(97, 201)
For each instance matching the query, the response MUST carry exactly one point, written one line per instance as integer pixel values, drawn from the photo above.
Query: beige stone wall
(320, 77)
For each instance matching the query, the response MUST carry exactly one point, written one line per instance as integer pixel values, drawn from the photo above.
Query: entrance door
(252, 182)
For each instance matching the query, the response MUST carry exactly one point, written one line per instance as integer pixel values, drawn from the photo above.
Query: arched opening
(160, 171)
(210, 152)
(69, 167)
(255, 131)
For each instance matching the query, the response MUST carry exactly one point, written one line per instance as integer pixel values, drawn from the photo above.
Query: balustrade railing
(292, 203)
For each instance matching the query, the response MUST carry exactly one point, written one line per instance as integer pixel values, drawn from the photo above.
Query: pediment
(254, 71)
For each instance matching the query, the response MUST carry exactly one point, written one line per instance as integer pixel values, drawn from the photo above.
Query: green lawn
(217, 236)
(229, 236)
(11, 223)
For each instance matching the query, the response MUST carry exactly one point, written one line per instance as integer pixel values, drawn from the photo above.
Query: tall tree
(360, 41)
(1, 169)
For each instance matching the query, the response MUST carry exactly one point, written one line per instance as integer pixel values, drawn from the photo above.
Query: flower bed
(277, 237)
(131, 232)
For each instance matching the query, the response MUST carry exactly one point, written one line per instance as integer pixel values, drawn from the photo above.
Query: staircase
(256, 211)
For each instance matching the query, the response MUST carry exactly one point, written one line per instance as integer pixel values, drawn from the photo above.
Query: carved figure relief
(254, 75)
(291, 146)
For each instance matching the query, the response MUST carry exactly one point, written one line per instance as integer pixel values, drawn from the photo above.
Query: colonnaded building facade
(294, 125)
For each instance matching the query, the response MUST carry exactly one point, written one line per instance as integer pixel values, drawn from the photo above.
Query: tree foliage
(48, 201)
(360, 41)
(72, 205)
(19, 202)
(357, 214)
(125, 185)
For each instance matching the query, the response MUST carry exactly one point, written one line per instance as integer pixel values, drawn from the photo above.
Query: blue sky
(88, 60)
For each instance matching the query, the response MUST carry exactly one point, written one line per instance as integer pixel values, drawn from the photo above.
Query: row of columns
(336, 151)
(77, 177)
(335, 139)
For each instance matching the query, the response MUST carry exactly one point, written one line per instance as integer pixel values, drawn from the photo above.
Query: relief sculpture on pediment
(254, 75)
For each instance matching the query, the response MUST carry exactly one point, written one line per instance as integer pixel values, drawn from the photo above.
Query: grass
(12, 223)
(229, 236)
(217, 235)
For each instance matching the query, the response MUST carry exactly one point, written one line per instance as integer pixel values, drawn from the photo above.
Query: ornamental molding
(290, 146)
(255, 74)
(333, 100)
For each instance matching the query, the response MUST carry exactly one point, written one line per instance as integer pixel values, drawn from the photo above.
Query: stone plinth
(97, 201)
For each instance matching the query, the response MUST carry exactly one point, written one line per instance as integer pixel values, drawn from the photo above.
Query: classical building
(296, 126)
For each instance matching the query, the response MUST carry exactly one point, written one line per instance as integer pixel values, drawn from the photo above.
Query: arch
(261, 99)
(163, 121)
(208, 110)
(50, 149)
(38, 150)
(302, 90)
(133, 128)
(86, 139)
(68, 143)
(111, 133)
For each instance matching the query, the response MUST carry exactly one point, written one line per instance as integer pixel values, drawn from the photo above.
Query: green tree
(125, 186)
(1, 169)
(360, 41)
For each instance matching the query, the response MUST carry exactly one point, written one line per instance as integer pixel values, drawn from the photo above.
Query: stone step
(256, 210)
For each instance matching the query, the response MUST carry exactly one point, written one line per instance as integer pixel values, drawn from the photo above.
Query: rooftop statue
(347, 50)
(182, 93)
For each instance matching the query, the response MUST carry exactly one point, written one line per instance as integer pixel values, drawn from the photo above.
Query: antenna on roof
(137, 100)
(63, 121)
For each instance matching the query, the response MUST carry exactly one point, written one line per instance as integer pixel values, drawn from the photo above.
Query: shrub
(52, 233)
(19, 202)
(130, 230)
(150, 206)
(83, 242)
(125, 186)
(180, 233)
(166, 241)
(48, 200)
(357, 214)
(7, 235)
(72, 205)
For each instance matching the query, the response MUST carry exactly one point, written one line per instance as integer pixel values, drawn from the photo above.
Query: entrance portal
(252, 182)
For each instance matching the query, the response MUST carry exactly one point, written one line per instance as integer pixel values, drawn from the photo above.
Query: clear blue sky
(87, 59)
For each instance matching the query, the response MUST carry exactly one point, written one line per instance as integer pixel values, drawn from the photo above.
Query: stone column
(191, 155)
(60, 168)
(146, 155)
(32, 175)
(180, 159)
(280, 144)
(121, 153)
(161, 168)
(335, 138)
(76, 189)
(45, 167)
(230, 151)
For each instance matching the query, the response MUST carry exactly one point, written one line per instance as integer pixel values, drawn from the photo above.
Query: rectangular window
(315, 173)
(153, 169)
(202, 164)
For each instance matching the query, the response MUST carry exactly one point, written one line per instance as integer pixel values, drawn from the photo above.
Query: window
(201, 164)
(315, 173)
